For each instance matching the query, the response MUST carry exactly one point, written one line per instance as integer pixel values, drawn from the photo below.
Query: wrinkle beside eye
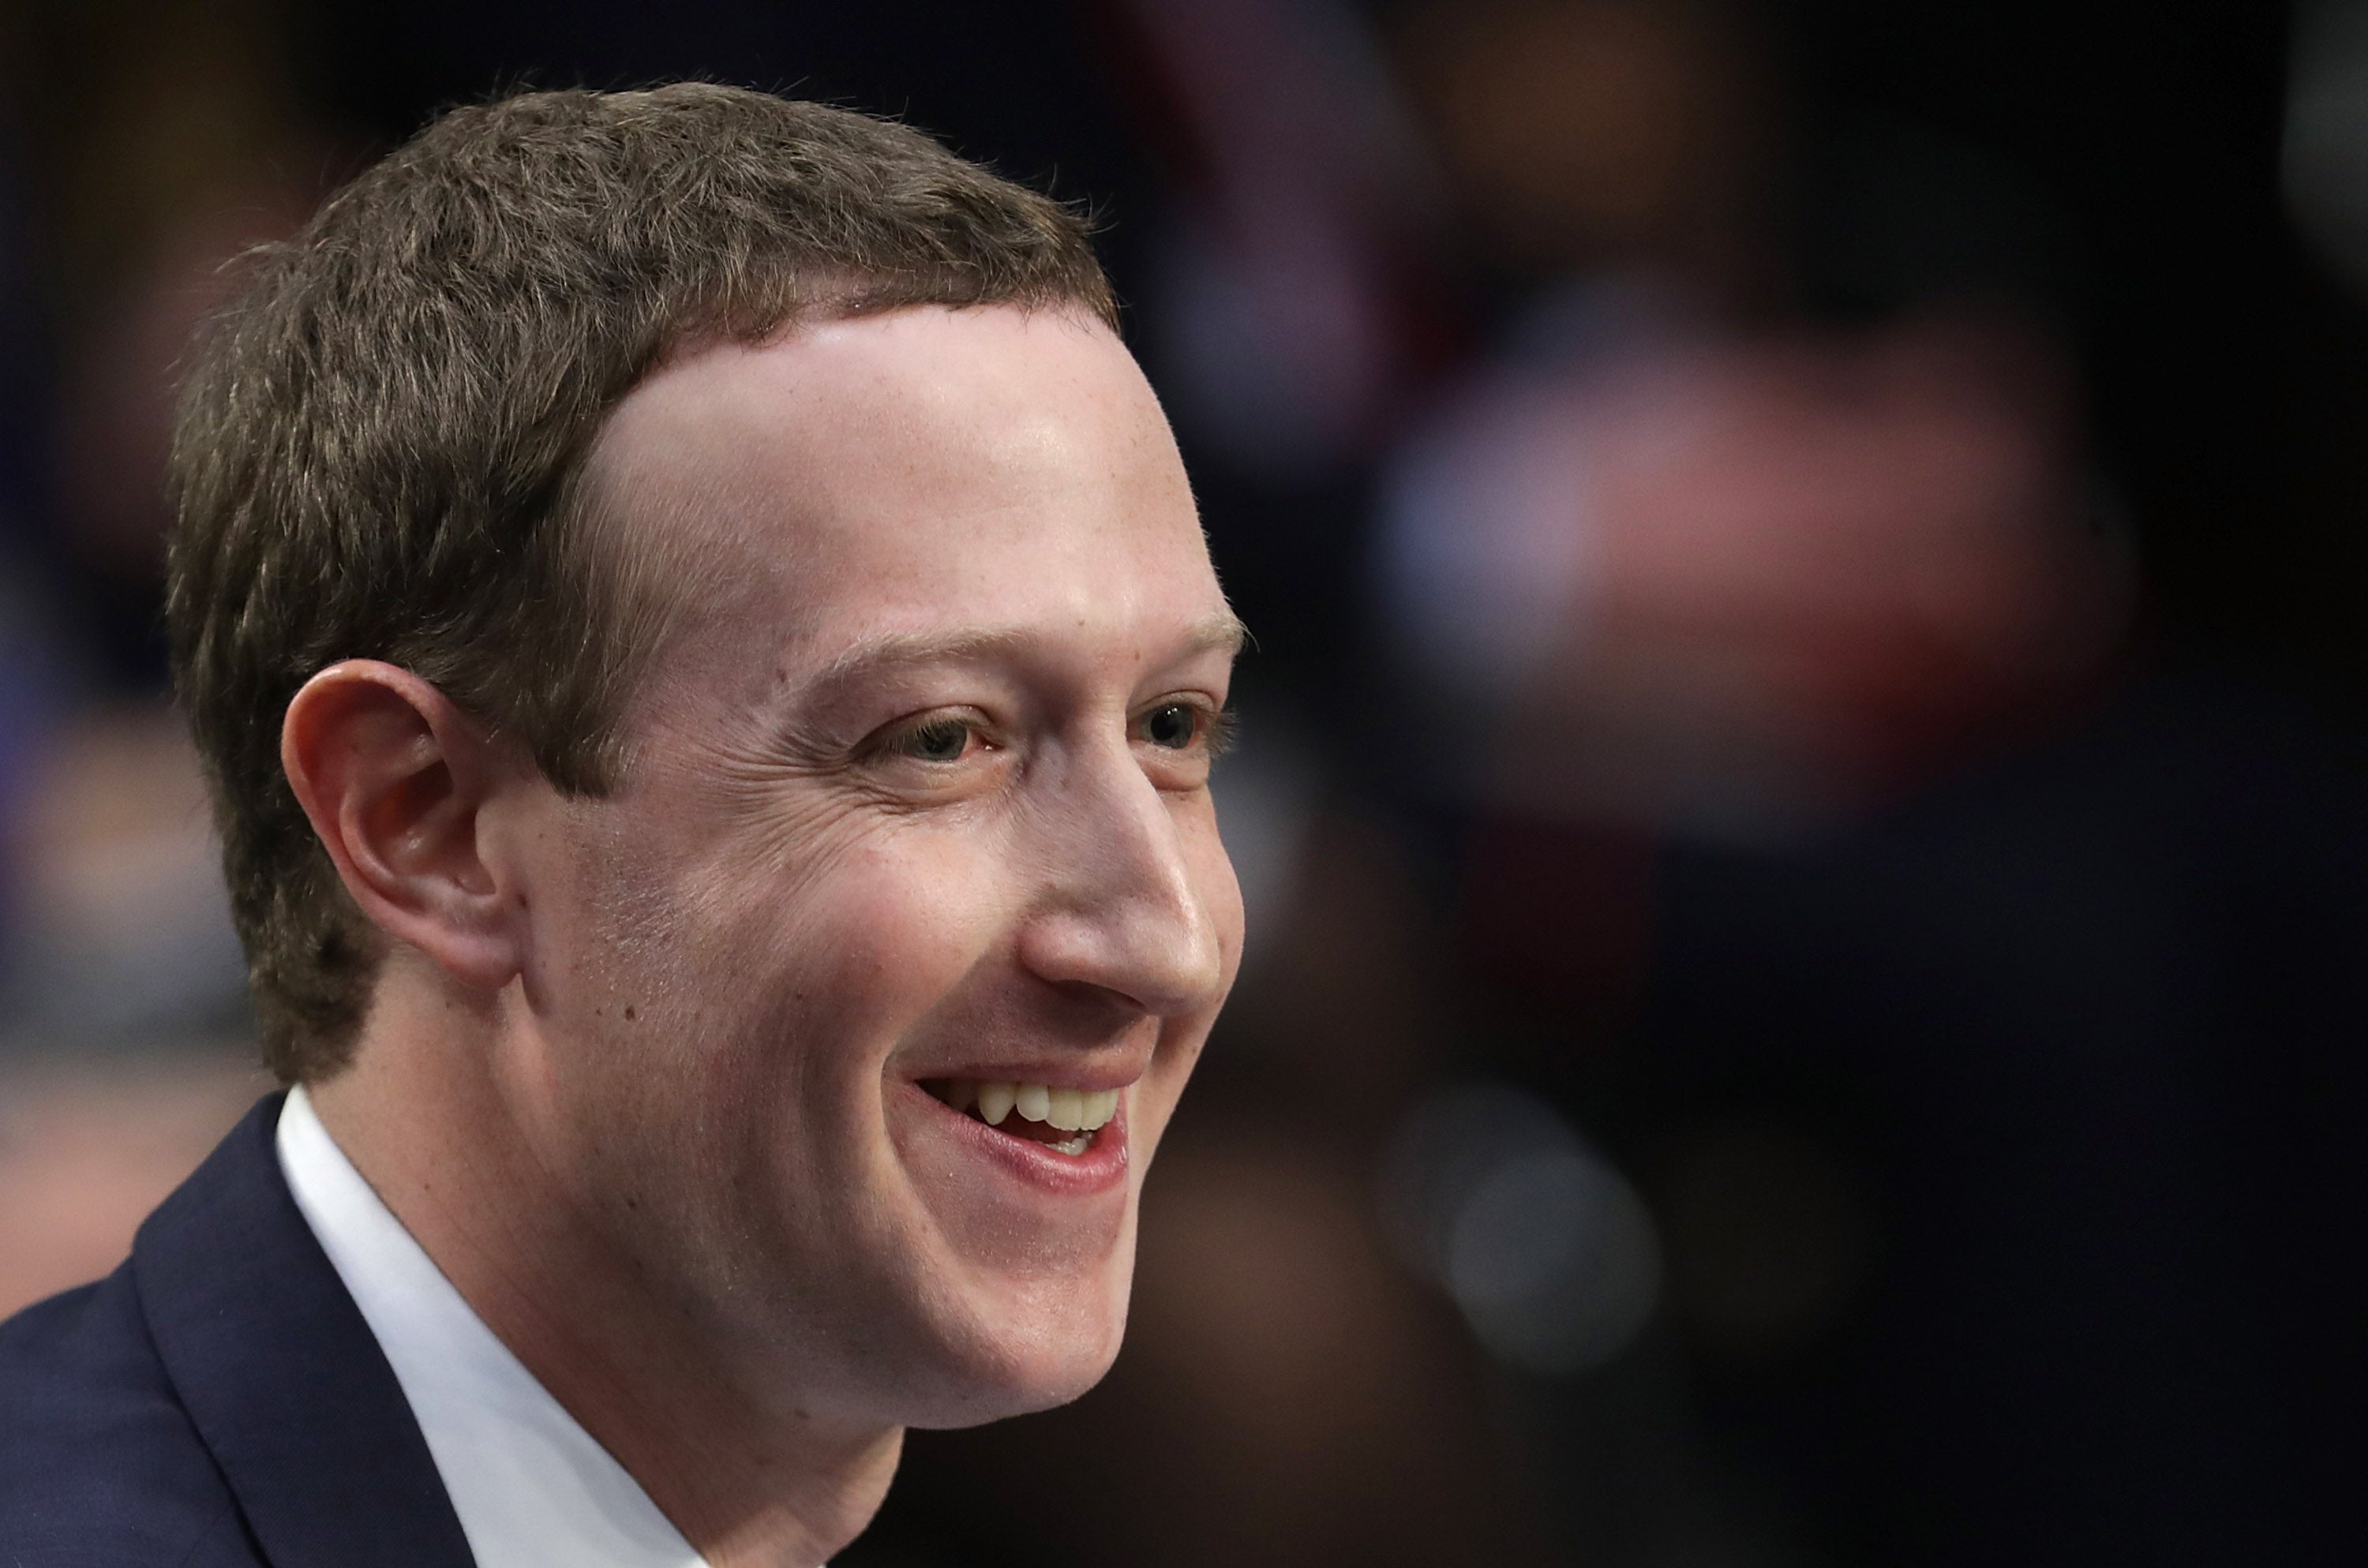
(927, 761)
(799, 816)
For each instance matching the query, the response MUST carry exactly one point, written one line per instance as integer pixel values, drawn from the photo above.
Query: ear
(393, 775)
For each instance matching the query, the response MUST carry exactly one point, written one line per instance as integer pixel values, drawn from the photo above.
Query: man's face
(916, 805)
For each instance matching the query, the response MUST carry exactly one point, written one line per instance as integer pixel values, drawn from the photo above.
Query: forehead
(923, 471)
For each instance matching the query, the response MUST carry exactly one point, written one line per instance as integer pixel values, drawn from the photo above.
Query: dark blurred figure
(145, 144)
(1700, 555)
(2078, 1034)
(1963, 969)
(160, 142)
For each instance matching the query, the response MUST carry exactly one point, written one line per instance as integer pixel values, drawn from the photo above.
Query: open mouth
(1065, 1120)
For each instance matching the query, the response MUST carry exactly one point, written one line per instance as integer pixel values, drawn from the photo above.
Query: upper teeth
(1069, 1110)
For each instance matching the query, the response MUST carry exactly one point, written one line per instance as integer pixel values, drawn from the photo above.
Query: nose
(1131, 900)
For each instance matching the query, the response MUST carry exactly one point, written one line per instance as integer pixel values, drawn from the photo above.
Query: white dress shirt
(531, 1487)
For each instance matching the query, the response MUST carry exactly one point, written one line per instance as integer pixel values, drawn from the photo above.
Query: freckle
(631, 1015)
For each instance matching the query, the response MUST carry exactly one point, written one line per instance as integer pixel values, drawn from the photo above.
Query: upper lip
(1071, 1074)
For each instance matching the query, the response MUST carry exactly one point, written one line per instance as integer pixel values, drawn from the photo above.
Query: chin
(1033, 1348)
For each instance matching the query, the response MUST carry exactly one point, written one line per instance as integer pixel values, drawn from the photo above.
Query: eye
(1178, 726)
(1172, 725)
(942, 739)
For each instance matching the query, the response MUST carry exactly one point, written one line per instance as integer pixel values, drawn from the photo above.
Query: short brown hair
(380, 446)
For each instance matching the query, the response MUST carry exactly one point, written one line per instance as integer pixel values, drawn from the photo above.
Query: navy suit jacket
(217, 1400)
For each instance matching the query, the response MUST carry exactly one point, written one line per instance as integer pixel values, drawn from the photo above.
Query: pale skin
(919, 794)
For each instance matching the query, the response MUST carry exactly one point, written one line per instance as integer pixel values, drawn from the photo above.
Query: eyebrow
(896, 649)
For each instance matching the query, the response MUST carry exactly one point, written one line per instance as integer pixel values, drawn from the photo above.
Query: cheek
(786, 985)
(884, 938)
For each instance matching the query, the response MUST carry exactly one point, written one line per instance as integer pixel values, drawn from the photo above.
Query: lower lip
(1099, 1169)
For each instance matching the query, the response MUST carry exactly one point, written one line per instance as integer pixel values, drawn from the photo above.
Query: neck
(747, 1472)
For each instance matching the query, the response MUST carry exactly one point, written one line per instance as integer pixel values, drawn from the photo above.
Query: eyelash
(903, 742)
(1214, 731)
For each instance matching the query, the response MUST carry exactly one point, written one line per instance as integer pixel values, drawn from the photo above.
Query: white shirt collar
(531, 1487)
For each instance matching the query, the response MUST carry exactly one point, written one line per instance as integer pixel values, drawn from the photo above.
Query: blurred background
(1802, 781)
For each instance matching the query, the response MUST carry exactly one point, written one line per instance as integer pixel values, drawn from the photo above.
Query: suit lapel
(280, 1374)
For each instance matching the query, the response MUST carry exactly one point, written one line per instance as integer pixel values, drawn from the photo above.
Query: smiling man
(710, 671)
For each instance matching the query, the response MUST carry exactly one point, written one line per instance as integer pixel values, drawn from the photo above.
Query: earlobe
(392, 774)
